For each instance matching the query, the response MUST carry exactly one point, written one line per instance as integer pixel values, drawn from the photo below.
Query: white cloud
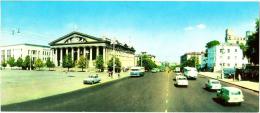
(201, 26)
(188, 28)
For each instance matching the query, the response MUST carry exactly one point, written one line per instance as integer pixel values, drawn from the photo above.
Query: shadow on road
(217, 100)
(209, 90)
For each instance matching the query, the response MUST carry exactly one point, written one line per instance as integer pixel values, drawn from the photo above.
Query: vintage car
(92, 79)
(230, 95)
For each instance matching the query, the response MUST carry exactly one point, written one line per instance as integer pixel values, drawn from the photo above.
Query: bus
(137, 71)
(190, 72)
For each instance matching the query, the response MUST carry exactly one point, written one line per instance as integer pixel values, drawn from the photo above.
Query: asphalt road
(154, 92)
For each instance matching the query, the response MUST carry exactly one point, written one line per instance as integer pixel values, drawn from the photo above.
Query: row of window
(228, 50)
(227, 64)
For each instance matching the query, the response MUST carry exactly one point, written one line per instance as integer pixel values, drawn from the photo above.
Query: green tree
(49, 63)
(38, 63)
(67, 62)
(11, 62)
(192, 62)
(4, 63)
(243, 48)
(19, 62)
(100, 63)
(82, 62)
(212, 43)
(117, 64)
(147, 63)
(252, 51)
(26, 63)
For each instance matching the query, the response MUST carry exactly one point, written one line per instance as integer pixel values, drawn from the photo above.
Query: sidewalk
(245, 84)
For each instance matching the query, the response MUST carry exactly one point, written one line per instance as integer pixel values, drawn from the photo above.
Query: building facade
(230, 37)
(77, 44)
(22, 50)
(150, 56)
(187, 56)
(226, 55)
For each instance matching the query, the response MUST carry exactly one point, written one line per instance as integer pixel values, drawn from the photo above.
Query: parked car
(213, 84)
(190, 72)
(181, 81)
(230, 95)
(92, 79)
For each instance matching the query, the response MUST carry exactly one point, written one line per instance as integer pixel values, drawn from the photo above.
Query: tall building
(230, 37)
(226, 55)
(22, 50)
(77, 44)
(187, 56)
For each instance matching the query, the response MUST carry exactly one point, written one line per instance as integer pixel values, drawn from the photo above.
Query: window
(228, 64)
(235, 57)
(223, 64)
(228, 57)
(228, 50)
(235, 50)
(236, 64)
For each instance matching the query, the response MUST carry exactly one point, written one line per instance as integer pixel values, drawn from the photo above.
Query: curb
(231, 83)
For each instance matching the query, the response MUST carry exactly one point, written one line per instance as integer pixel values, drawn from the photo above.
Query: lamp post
(222, 61)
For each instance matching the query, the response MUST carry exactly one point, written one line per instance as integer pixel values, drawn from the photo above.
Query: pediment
(76, 38)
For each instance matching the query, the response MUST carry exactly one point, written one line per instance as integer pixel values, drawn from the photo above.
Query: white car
(230, 95)
(213, 84)
(92, 79)
(181, 81)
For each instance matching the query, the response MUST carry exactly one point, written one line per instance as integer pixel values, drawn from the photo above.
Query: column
(55, 57)
(104, 56)
(78, 53)
(61, 56)
(84, 52)
(97, 51)
(90, 57)
(67, 49)
(72, 54)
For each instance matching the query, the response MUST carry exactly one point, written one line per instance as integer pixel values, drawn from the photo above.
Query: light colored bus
(137, 71)
(190, 72)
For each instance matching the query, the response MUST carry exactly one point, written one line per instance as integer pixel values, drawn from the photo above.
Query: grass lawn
(21, 85)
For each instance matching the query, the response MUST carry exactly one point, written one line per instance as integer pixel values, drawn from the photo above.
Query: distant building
(187, 56)
(152, 57)
(232, 57)
(22, 50)
(231, 38)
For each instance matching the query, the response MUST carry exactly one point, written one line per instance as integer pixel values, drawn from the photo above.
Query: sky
(164, 29)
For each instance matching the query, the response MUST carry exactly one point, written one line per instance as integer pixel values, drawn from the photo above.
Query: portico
(77, 44)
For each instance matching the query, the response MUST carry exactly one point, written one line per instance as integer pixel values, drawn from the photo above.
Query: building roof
(194, 53)
(75, 32)
(27, 44)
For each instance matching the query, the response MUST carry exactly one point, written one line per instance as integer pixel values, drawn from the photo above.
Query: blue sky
(165, 29)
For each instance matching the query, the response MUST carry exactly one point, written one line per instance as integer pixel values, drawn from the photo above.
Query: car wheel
(239, 103)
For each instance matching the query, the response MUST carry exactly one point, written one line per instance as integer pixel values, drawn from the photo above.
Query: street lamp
(222, 50)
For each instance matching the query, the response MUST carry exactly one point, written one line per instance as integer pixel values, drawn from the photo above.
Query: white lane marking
(166, 110)
(166, 101)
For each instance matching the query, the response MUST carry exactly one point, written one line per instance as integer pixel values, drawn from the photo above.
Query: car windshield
(135, 69)
(215, 82)
(235, 93)
(182, 78)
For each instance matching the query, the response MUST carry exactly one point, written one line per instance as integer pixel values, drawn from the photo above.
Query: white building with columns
(22, 50)
(232, 57)
(77, 44)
